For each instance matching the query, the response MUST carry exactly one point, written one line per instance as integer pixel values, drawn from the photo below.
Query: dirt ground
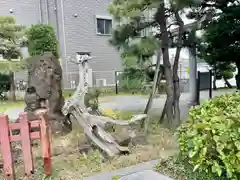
(70, 164)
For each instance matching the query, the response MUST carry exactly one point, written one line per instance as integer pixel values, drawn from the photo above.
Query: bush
(4, 84)
(178, 168)
(42, 38)
(131, 79)
(91, 99)
(210, 137)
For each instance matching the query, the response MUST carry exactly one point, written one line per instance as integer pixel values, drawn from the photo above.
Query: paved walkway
(142, 171)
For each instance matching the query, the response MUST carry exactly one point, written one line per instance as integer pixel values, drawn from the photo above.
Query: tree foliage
(219, 43)
(143, 29)
(224, 70)
(222, 36)
(42, 38)
(131, 79)
(11, 37)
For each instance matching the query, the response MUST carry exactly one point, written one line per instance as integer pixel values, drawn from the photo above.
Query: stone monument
(44, 90)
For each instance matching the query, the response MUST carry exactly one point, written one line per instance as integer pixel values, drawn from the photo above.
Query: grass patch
(70, 164)
(124, 94)
(225, 88)
(122, 115)
(116, 177)
(5, 105)
(160, 145)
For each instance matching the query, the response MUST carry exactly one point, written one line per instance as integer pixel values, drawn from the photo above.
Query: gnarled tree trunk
(160, 17)
(175, 67)
(227, 83)
(175, 79)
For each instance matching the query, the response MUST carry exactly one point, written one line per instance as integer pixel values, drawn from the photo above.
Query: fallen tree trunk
(95, 127)
(104, 141)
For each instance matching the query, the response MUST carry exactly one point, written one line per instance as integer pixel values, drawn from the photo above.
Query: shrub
(4, 84)
(210, 137)
(91, 99)
(179, 169)
(42, 38)
(131, 79)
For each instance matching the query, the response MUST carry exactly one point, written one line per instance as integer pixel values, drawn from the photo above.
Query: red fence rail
(25, 136)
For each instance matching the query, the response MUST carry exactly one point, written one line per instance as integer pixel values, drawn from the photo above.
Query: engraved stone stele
(44, 90)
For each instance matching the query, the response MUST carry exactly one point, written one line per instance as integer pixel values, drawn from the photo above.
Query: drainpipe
(41, 11)
(64, 51)
(193, 71)
(47, 11)
(57, 21)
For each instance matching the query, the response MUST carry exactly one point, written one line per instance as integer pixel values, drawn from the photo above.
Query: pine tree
(11, 36)
(143, 30)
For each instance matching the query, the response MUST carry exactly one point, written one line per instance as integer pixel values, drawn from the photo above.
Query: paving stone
(145, 175)
(124, 171)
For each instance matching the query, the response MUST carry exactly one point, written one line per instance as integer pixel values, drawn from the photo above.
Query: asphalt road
(128, 102)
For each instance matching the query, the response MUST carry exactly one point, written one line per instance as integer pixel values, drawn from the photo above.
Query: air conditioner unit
(101, 82)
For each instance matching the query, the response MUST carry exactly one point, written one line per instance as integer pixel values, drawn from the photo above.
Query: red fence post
(26, 144)
(45, 143)
(6, 148)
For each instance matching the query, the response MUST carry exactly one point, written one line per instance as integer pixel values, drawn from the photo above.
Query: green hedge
(179, 168)
(42, 38)
(210, 139)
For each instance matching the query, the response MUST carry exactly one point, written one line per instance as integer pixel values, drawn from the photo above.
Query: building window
(104, 26)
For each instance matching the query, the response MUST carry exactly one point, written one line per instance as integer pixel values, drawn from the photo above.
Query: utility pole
(193, 70)
(193, 60)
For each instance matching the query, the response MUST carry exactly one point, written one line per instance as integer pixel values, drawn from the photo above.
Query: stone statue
(44, 90)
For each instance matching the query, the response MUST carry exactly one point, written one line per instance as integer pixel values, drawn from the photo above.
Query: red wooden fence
(25, 136)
